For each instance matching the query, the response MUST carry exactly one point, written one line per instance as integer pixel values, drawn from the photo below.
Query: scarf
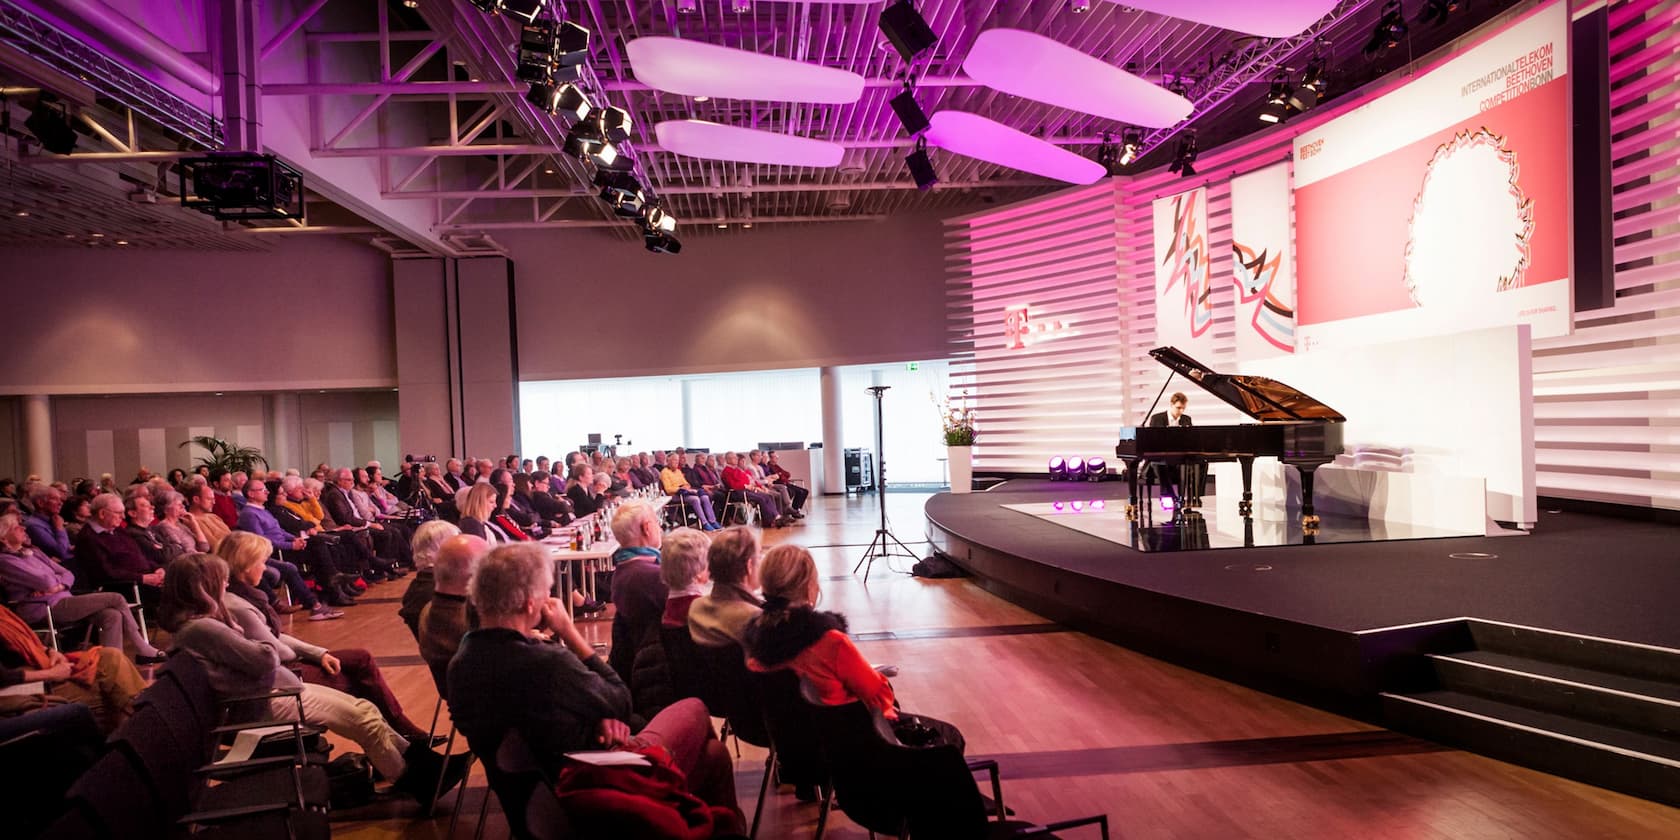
(626, 553)
(16, 635)
(258, 600)
(782, 632)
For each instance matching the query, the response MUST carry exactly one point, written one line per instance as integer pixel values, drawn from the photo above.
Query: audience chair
(677, 515)
(525, 793)
(925, 792)
(727, 690)
(46, 751)
(51, 631)
(737, 500)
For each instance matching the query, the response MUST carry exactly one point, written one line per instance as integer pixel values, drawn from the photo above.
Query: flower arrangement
(958, 420)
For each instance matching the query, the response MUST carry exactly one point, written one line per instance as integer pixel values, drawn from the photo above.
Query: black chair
(682, 661)
(921, 792)
(113, 797)
(520, 787)
(46, 750)
(728, 692)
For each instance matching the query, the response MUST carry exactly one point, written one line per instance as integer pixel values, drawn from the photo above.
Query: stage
(1340, 619)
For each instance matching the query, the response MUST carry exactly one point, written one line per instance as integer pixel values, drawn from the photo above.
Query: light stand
(882, 545)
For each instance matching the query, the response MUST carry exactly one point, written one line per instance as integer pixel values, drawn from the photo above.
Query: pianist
(1174, 415)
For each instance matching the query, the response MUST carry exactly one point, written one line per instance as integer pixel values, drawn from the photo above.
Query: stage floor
(1204, 529)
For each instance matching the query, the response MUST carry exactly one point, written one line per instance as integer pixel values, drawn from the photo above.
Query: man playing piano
(1174, 415)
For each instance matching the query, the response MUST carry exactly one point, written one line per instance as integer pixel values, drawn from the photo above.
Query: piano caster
(1310, 522)
(1131, 512)
(1245, 509)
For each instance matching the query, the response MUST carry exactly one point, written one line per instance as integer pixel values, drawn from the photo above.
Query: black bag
(937, 565)
(349, 781)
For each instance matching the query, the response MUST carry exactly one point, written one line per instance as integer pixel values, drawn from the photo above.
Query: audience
(201, 506)
(254, 518)
(638, 593)
(738, 480)
(110, 554)
(682, 570)
(721, 617)
(239, 666)
(580, 490)
(35, 585)
(46, 523)
(676, 485)
(447, 616)
(562, 698)
(100, 678)
(428, 538)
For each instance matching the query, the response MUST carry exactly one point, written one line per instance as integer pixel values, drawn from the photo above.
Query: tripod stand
(884, 542)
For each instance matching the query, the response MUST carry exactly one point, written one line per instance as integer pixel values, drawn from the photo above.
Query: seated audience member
(452, 477)
(176, 476)
(626, 472)
(738, 480)
(603, 487)
(675, 485)
(791, 633)
(682, 569)
(721, 617)
(352, 671)
(580, 490)
(107, 553)
(221, 481)
(620, 483)
(299, 498)
(201, 506)
(177, 531)
(515, 512)
(753, 463)
(638, 593)
(46, 523)
(137, 524)
(562, 698)
(447, 616)
(100, 678)
(555, 510)
(478, 506)
(428, 538)
(255, 518)
(340, 510)
(75, 514)
(774, 472)
(36, 585)
(239, 666)
(437, 489)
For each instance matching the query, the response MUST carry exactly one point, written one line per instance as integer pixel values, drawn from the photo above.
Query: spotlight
(622, 191)
(615, 124)
(1131, 145)
(1436, 11)
(488, 7)
(1391, 29)
(910, 114)
(907, 30)
(1079, 7)
(1185, 156)
(1058, 469)
(51, 126)
(570, 103)
(921, 167)
(586, 140)
(571, 44)
(1108, 157)
(544, 95)
(740, 7)
(1277, 106)
(525, 10)
(1311, 90)
(233, 186)
(1075, 468)
(657, 220)
(1095, 469)
(688, 7)
(536, 51)
(661, 242)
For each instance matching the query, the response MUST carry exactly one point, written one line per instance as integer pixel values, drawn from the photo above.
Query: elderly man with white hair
(110, 555)
(561, 698)
(638, 593)
(448, 616)
(427, 540)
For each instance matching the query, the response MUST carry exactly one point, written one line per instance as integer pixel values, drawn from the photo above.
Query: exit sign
(911, 366)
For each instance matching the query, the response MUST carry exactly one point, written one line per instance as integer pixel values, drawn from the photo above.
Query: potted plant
(227, 455)
(958, 420)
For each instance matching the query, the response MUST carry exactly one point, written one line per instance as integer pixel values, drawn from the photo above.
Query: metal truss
(107, 76)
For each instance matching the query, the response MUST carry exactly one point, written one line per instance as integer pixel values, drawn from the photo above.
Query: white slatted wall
(1060, 395)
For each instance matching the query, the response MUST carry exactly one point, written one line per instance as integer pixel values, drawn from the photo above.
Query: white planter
(961, 460)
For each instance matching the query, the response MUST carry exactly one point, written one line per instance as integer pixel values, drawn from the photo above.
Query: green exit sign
(911, 366)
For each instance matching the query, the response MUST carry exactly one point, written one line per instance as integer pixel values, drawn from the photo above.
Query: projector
(241, 186)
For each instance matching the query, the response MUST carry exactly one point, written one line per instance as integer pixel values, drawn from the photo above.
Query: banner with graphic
(1262, 266)
(1443, 205)
(1183, 274)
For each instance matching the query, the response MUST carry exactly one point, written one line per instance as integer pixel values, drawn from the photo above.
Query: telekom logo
(1020, 330)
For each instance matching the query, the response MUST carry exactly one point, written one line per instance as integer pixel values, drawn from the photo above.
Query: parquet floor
(1082, 726)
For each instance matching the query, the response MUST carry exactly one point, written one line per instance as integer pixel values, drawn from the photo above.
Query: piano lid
(1266, 400)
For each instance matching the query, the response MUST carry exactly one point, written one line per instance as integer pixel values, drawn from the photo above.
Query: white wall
(592, 305)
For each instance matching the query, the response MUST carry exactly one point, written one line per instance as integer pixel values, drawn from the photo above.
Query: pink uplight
(993, 142)
(1030, 65)
(696, 68)
(714, 141)
(1271, 19)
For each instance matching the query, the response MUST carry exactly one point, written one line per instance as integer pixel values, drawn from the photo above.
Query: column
(37, 436)
(688, 414)
(284, 431)
(834, 458)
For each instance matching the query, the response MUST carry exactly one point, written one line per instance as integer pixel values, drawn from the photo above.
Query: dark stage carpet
(1577, 573)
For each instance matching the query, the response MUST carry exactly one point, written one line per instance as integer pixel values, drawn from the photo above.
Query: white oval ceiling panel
(695, 68)
(1030, 65)
(1268, 19)
(993, 142)
(715, 141)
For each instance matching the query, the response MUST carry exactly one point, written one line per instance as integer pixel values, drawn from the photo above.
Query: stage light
(622, 191)
(1058, 469)
(910, 114)
(585, 140)
(1311, 89)
(525, 10)
(1185, 156)
(688, 7)
(1436, 11)
(1079, 7)
(656, 219)
(536, 51)
(570, 103)
(660, 242)
(1095, 468)
(571, 44)
(1108, 156)
(1131, 145)
(51, 126)
(1390, 31)
(488, 7)
(907, 30)
(921, 166)
(1075, 468)
(615, 124)
(1276, 109)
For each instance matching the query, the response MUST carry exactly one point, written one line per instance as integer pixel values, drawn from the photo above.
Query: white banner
(1262, 264)
(1183, 274)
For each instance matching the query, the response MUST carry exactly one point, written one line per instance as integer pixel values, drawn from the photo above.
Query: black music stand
(882, 544)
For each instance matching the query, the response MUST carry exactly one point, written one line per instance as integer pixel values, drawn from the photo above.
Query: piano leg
(1246, 506)
(1132, 487)
(1309, 520)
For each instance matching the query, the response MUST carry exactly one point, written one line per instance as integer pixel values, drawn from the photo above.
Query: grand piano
(1294, 428)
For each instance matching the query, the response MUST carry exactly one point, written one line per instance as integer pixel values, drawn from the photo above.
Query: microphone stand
(884, 541)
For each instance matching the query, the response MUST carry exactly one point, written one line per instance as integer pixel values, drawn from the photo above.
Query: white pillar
(834, 458)
(285, 431)
(688, 416)
(37, 436)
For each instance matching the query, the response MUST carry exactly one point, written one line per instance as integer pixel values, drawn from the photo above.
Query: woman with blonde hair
(792, 633)
(352, 671)
(192, 610)
(477, 507)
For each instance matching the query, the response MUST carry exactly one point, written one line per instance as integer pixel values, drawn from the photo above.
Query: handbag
(349, 781)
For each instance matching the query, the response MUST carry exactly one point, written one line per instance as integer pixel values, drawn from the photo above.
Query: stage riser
(1564, 648)
(1577, 699)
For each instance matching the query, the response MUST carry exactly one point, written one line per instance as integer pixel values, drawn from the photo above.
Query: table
(570, 564)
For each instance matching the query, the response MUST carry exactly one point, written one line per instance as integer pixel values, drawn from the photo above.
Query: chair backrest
(798, 753)
(189, 674)
(149, 740)
(514, 777)
(683, 664)
(730, 687)
(115, 796)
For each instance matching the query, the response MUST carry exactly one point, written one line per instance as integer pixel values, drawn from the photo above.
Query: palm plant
(226, 455)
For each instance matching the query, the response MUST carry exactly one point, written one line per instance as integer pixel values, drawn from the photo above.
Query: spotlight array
(1391, 29)
(1277, 108)
(1074, 468)
(1184, 157)
(921, 166)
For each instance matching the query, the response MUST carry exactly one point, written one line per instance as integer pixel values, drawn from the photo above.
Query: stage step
(1597, 710)
(1634, 762)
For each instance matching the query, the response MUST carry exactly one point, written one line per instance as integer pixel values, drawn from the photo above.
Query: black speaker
(921, 168)
(909, 113)
(905, 28)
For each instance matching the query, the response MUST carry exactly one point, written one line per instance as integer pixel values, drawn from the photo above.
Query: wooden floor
(1081, 726)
